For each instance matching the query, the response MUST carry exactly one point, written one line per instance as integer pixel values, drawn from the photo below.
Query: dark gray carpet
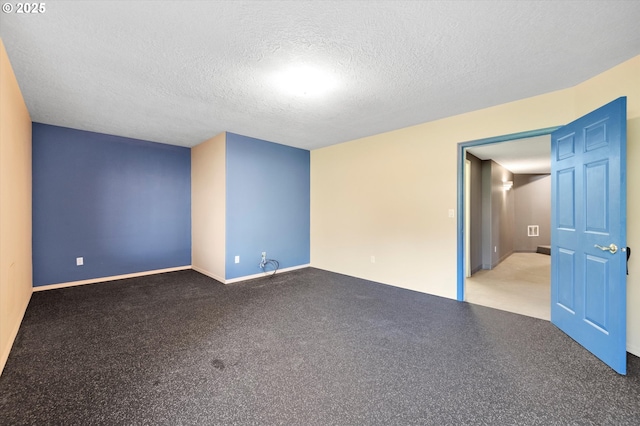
(308, 347)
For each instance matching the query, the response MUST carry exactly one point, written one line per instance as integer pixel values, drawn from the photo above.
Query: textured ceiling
(520, 156)
(180, 72)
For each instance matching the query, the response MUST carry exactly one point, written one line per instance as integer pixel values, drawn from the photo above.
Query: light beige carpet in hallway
(520, 284)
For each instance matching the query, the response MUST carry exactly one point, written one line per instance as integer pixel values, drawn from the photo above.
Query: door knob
(612, 248)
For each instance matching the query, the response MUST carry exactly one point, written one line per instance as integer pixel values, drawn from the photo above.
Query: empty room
(255, 212)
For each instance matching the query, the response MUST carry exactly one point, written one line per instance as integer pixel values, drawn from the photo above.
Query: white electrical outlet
(495, 249)
(264, 256)
(237, 259)
(373, 259)
(452, 213)
(79, 261)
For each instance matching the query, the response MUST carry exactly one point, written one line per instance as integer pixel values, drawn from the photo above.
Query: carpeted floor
(308, 347)
(520, 284)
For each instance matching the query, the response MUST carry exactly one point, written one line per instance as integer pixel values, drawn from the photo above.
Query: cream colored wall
(208, 195)
(633, 233)
(15, 207)
(388, 195)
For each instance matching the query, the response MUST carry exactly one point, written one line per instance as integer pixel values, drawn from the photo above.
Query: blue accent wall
(268, 196)
(122, 204)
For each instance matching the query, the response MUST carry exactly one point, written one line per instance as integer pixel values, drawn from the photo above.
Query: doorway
(588, 204)
(511, 276)
(508, 224)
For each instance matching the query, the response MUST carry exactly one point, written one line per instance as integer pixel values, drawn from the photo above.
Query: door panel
(596, 183)
(565, 205)
(595, 306)
(588, 276)
(565, 266)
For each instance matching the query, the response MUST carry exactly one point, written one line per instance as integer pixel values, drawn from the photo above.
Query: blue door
(588, 235)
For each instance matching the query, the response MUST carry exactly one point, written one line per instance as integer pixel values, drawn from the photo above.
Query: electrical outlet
(237, 260)
(373, 259)
(79, 261)
(264, 256)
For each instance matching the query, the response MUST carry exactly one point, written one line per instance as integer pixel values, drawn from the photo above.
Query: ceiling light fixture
(305, 81)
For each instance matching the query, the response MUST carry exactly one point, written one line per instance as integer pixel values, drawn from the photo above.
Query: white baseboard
(207, 273)
(262, 274)
(161, 271)
(111, 278)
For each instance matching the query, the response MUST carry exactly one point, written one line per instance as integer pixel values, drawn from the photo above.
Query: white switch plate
(237, 259)
(79, 261)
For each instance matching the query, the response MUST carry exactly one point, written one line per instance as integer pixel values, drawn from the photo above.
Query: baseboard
(633, 349)
(476, 269)
(503, 258)
(207, 273)
(161, 271)
(491, 266)
(111, 278)
(4, 356)
(262, 274)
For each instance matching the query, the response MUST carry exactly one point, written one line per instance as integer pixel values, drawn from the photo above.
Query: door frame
(461, 237)
(467, 217)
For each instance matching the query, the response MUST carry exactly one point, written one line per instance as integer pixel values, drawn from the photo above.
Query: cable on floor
(274, 263)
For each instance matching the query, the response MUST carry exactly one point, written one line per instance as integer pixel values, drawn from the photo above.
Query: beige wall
(208, 181)
(388, 195)
(15, 207)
